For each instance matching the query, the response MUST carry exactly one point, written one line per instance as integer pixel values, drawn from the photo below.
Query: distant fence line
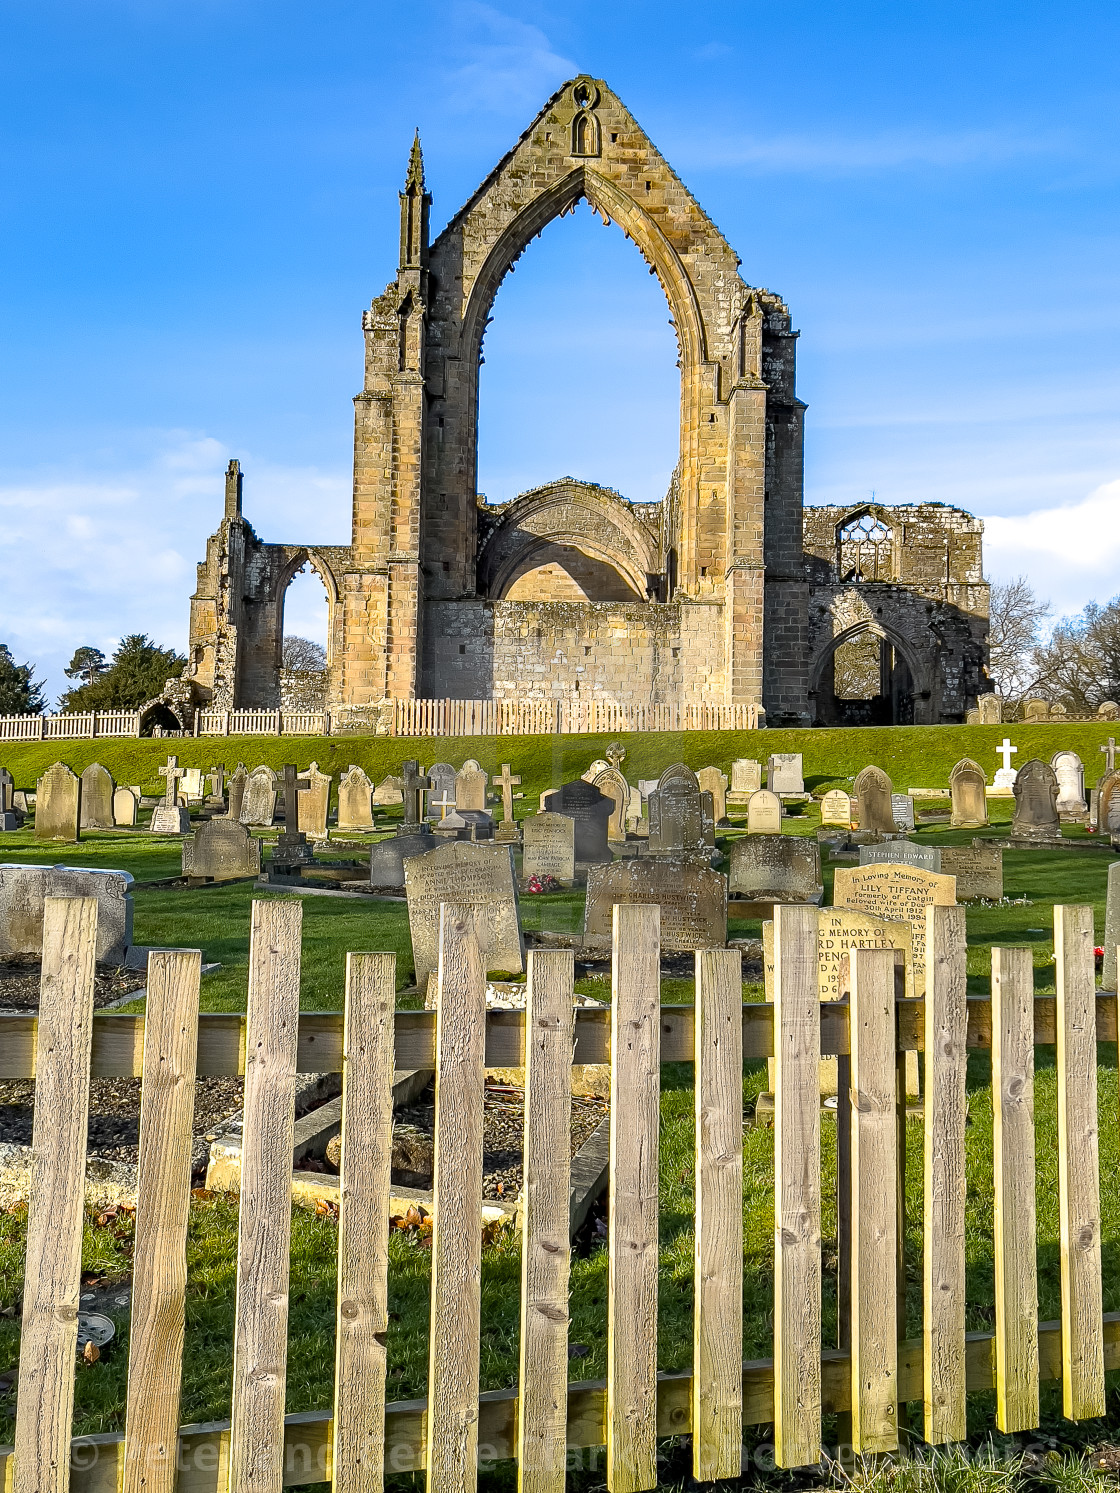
(406, 718)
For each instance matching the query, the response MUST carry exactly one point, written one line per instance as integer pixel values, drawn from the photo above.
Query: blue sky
(198, 200)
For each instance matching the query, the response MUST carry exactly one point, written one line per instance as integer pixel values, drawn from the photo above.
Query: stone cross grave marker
(444, 803)
(692, 898)
(893, 892)
(1036, 803)
(477, 876)
(776, 868)
(872, 793)
(58, 804)
(470, 787)
(550, 847)
(292, 849)
(171, 817)
(221, 850)
(355, 800)
(506, 782)
(968, 795)
(414, 784)
(125, 804)
(1071, 782)
(238, 779)
(591, 811)
(97, 797)
(1005, 775)
(978, 869)
(258, 806)
(764, 813)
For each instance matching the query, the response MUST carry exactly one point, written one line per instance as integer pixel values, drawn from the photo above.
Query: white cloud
(890, 150)
(508, 63)
(1071, 554)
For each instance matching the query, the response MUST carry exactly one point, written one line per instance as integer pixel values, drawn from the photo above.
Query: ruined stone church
(728, 591)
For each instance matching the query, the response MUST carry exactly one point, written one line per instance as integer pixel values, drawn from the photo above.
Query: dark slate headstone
(778, 868)
(1036, 803)
(591, 811)
(221, 850)
(387, 858)
(692, 898)
(676, 816)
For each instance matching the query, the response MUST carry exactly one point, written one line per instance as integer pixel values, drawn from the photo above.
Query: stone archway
(883, 688)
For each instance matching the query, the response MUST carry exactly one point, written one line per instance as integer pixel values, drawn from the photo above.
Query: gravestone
(614, 786)
(784, 773)
(259, 804)
(355, 800)
(591, 811)
(764, 813)
(387, 793)
(1071, 783)
(692, 898)
(839, 931)
(58, 800)
(97, 797)
(1036, 710)
(978, 869)
(902, 811)
(24, 888)
(550, 847)
(125, 804)
(221, 850)
(470, 787)
(776, 868)
(1004, 781)
(1111, 927)
(713, 781)
(901, 853)
(476, 876)
(387, 857)
(505, 782)
(414, 785)
(991, 710)
(708, 820)
(872, 794)
(1036, 800)
(1108, 806)
(968, 795)
(599, 765)
(746, 778)
(441, 790)
(216, 779)
(191, 787)
(893, 893)
(170, 817)
(237, 784)
(1108, 710)
(836, 809)
(314, 802)
(291, 851)
(7, 792)
(676, 815)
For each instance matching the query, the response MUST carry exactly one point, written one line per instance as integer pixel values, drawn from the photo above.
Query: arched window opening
(866, 681)
(305, 649)
(865, 549)
(580, 375)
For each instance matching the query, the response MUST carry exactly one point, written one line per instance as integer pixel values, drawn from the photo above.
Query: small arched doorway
(864, 679)
(305, 638)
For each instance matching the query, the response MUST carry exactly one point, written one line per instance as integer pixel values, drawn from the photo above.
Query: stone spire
(233, 489)
(415, 202)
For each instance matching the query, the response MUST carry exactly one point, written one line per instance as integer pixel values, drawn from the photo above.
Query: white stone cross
(443, 804)
(507, 783)
(1006, 751)
(1110, 753)
(172, 772)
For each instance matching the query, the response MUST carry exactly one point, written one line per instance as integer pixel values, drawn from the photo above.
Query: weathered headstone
(894, 892)
(58, 804)
(901, 853)
(1004, 780)
(24, 888)
(872, 794)
(97, 797)
(355, 800)
(676, 821)
(387, 793)
(692, 898)
(470, 786)
(968, 795)
(591, 811)
(991, 710)
(239, 779)
(978, 869)
(550, 847)
(170, 817)
(125, 804)
(476, 876)
(902, 811)
(1108, 805)
(764, 813)
(784, 773)
(221, 850)
(1108, 710)
(746, 778)
(614, 786)
(7, 791)
(836, 809)
(387, 857)
(839, 931)
(216, 782)
(1036, 710)
(1036, 800)
(776, 868)
(713, 781)
(314, 802)
(1071, 783)
(1111, 928)
(259, 804)
(191, 787)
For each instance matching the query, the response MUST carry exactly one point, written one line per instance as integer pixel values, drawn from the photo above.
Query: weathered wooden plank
(159, 1281)
(358, 1444)
(1014, 1247)
(545, 1192)
(260, 1348)
(797, 1192)
(874, 1160)
(632, 1244)
(1079, 1200)
(52, 1275)
(452, 1425)
(945, 1113)
(717, 1343)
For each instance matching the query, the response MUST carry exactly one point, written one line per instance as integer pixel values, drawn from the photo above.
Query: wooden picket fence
(568, 717)
(74, 726)
(870, 1377)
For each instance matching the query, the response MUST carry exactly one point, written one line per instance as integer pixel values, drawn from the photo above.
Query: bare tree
(1015, 630)
(1079, 664)
(303, 655)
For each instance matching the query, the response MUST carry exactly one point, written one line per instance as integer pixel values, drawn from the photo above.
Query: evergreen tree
(137, 673)
(87, 664)
(19, 693)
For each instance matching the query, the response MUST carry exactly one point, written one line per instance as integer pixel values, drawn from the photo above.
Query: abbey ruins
(728, 591)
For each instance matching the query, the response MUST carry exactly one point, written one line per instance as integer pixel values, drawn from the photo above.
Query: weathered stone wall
(303, 689)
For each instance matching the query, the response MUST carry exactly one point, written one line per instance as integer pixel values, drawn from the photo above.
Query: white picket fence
(262, 723)
(76, 727)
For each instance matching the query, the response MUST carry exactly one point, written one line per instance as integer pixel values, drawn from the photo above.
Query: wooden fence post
(632, 1243)
(797, 1188)
(56, 1211)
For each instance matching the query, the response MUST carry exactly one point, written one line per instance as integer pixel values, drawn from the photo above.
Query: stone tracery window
(865, 549)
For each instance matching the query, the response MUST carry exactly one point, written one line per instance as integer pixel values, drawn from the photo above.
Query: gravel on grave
(19, 984)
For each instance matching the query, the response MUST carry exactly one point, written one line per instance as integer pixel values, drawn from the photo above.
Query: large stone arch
(570, 518)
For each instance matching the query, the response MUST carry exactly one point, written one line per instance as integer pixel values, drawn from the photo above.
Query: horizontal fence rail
(871, 1374)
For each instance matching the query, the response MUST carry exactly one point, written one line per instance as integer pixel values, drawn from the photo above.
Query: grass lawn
(217, 920)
